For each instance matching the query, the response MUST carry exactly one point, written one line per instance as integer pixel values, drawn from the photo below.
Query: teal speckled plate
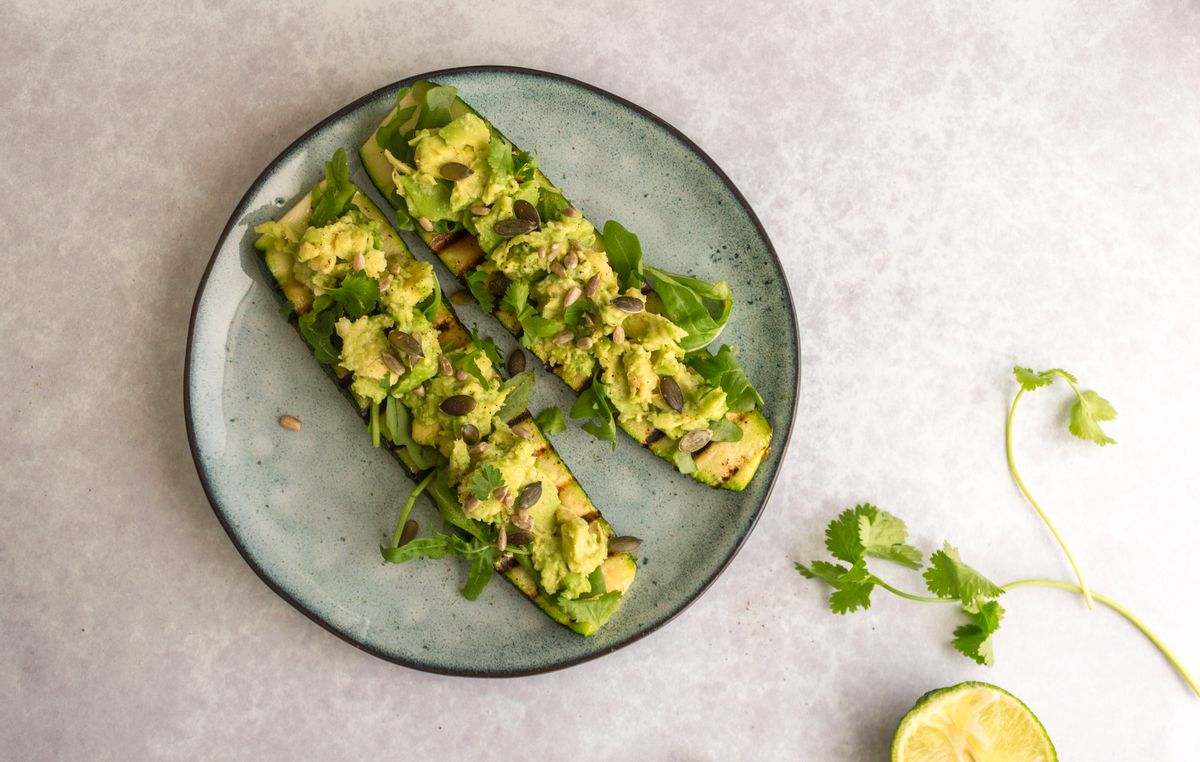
(308, 510)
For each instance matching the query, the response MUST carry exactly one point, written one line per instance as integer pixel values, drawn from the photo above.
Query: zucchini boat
(630, 339)
(374, 316)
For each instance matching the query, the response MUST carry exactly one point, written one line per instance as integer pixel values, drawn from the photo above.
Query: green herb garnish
(332, 199)
(316, 326)
(520, 389)
(486, 480)
(551, 421)
(358, 295)
(477, 285)
(722, 370)
(624, 254)
(593, 404)
(698, 307)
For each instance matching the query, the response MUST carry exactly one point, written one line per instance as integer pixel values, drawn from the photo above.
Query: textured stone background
(953, 189)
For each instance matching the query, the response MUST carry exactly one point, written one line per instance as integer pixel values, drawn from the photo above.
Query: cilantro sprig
(594, 405)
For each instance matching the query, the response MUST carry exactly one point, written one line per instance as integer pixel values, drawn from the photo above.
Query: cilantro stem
(374, 425)
(1138, 623)
(1012, 466)
(910, 596)
(408, 506)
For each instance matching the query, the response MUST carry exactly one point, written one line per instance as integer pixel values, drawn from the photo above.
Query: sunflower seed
(461, 375)
(289, 422)
(516, 362)
(593, 285)
(360, 262)
(480, 211)
(409, 532)
(588, 322)
(541, 252)
(572, 296)
(571, 260)
(478, 449)
(420, 390)
(454, 171)
(520, 537)
(470, 434)
(406, 343)
(501, 539)
(530, 496)
(628, 304)
(513, 226)
(563, 337)
(459, 404)
(522, 519)
(528, 212)
(395, 267)
(585, 342)
(500, 492)
(570, 211)
(471, 503)
(523, 432)
(554, 249)
(384, 284)
(695, 440)
(627, 544)
(425, 224)
(461, 297)
(444, 365)
(671, 392)
(393, 364)
(508, 500)
(558, 269)
(618, 335)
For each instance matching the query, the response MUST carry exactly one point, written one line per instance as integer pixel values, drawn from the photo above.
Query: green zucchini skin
(451, 334)
(724, 465)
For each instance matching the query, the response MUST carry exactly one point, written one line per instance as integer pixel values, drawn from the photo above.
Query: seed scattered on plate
(626, 544)
(628, 304)
(585, 342)
(522, 432)
(555, 248)
(618, 335)
(461, 297)
(513, 226)
(480, 211)
(393, 364)
(530, 496)
(671, 392)
(516, 362)
(470, 434)
(425, 224)
(458, 404)
(395, 267)
(289, 422)
(572, 296)
(454, 171)
(409, 532)
(695, 440)
(563, 337)
(593, 285)
(500, 492)
(360, 262)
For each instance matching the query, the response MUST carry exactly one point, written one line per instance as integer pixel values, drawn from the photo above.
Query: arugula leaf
(333, 199)
(521, 389)
(624, 254)
(432, 303)
(593, 405)
(593, 611)
(725, 430)
(423, 457)
(974, 640)
(948, 577)
(575, 311)
(477, 285)
(551, 421)
(390, 137)
(486, 480)
(723, 370)
(316, 326)
(483, 566)
(358, 295)
(686, 301)
(465, 360)
(1087, 412)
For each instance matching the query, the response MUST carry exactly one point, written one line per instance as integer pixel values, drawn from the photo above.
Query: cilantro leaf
(593, 405)
(723, 370)
(465, 360)
(851, 587)
(624, 254)
(974, 640)
(725, 430)
(593, 611)
(432, 303)
(390, 135)
(331, 199)
(316, 326)
(842, 535)
(515, 298)
(520, 389)
(358, 295)
(537, 327)
(488, 347)
(948, 577)
(486, 480)
(1087, 412)
(435, 107)
(551, 421)
(477, 284)
(574, 312)
(883, 536)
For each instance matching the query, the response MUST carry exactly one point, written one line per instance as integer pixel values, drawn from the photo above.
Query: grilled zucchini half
(430, 392)
(470, 194)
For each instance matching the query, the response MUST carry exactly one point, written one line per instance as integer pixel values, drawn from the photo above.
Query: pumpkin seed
(695, 440)
(289, 422)
(461, 297)
(461, 375)
(471, 503)
(585, 342)
(572, 296)
(393, 364)
(593, 285)
(628, 304)
(409, 532)
(626, 544)
(470, 434)
(528, 212)
(454, 171)
(671, 392)
(444, 365)
(530, 495)
(563, 337)
(513, 226)
(558, 269)
(618, 335)
(498, 285)
(406, 343)
(425, 224)
(571, 260)
(459, 404)
(516, 362)
(520, 537)
(501, 539)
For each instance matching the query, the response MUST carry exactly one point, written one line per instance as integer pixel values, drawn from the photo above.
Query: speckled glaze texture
(952, 187)
(309, 510)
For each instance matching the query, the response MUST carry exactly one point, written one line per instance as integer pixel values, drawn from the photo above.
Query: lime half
(971, 722)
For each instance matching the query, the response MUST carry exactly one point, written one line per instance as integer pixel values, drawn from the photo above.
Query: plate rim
(224, 235)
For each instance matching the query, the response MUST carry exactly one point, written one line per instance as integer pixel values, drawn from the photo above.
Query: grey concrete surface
(954, 188)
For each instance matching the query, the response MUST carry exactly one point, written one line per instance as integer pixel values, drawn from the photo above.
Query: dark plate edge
(187, 370)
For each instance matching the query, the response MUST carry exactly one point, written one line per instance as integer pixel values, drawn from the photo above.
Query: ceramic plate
(308, 510)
